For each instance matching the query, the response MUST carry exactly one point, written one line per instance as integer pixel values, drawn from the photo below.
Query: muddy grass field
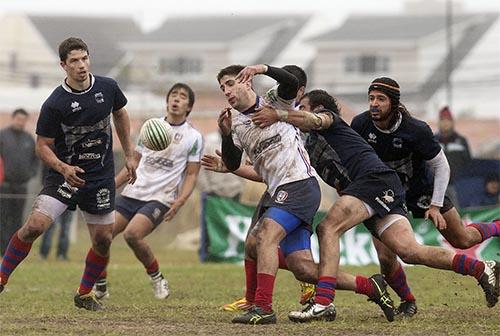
(39, 301)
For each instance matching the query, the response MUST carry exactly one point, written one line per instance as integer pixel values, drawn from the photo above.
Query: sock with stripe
(94, 265)
(153, 270)
(398, 282)
(487, 230)
(364, 286)
(264, 293)
(325, 290)
(467, 266)
(251, 280)
(15, 253)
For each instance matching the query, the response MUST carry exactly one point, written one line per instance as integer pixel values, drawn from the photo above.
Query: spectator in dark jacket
(17, 150)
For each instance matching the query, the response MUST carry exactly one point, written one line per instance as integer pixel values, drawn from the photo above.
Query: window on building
(366, 64)
(180, 65)
(13, 61)
(34, 80)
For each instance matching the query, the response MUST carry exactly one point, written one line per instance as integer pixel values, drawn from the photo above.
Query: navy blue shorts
(129, 207)
(293, 206)
(95, 197)
(418, 205)
(382, 191)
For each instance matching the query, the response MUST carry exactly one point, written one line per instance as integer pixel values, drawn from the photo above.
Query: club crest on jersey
(177, 138)
(281, 196)
(424, 202)
(372, 137)
(75, 106)
(103, 198)
(99, 97)
(397, 143)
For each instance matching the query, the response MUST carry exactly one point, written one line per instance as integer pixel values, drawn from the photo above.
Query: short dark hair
(231, 70)
(70, 44)
(321, 97)
(19, 111)
(185, 87)
(297, 72)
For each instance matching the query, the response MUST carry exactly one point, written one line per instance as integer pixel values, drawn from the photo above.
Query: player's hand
(249, 72)
(173, 210)
(70, 175)
(131, 166)
(214, 162)
(224, 121)
(435, 216)
(265, 116)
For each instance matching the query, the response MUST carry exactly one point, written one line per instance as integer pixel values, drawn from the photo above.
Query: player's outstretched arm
(214, 163)
(123, 177)
(304, 120)
(122, 124)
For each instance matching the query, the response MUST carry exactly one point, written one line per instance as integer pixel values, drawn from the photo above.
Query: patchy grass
(39, 301)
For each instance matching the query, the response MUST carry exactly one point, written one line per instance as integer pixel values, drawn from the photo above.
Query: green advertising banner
(227, 221)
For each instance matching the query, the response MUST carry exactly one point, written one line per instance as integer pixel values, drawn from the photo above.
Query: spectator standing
(17, 150)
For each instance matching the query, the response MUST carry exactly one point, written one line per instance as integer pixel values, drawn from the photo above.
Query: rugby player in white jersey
(279, 157)
(165, 180)
(272, 98)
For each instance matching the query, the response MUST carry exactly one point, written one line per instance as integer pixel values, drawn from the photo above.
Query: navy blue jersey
(80, 123)
(405, 149)
(340, 156)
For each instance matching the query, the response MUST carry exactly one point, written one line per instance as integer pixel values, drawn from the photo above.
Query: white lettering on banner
(357, 247)
(238, 227)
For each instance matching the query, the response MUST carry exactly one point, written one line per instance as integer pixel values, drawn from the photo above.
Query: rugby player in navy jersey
(76, 120)
(370, 192)
(407, 145)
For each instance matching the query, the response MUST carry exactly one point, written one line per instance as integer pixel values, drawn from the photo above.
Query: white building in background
(412, 49)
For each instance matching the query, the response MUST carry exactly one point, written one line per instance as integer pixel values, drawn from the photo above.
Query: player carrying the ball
(165, 180)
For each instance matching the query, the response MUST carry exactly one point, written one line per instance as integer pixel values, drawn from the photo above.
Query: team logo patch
(156, 213)
(388, 196)
(103, 198)
(99, 97)
(397, 143)
(372, 137)
(424, 202)
(75, 106)
(281, 196)
(177, 137)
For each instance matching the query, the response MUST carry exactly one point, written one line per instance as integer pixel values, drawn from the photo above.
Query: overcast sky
(149, 14)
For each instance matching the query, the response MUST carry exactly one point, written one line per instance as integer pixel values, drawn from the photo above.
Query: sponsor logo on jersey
(397, 143)
(372, 137)
(99, 97)
(424, 202)
(66, 190)
(75, 106)
(103, 198)
(281, 196)
(89, 156)
(91, 143)
(264, 144)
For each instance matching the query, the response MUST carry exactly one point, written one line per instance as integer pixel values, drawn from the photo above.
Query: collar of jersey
(179, 124)
(68, 88)
(394, 127)
(253, 107)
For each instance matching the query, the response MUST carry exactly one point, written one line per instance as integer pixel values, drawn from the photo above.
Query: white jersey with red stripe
(277, 152)
(160, 174)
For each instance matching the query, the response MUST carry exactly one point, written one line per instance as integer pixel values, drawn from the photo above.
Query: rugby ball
(156, 134)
